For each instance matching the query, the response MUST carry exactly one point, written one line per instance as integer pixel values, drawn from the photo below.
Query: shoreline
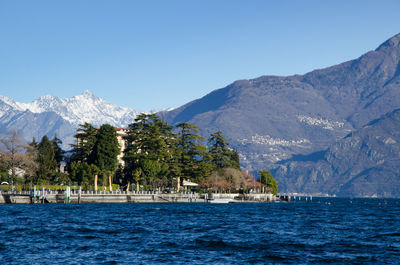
(37, 197)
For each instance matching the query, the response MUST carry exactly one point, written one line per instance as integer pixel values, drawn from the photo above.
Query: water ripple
(357, 231)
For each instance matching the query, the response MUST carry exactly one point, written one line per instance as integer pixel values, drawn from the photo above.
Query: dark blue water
(336, 231)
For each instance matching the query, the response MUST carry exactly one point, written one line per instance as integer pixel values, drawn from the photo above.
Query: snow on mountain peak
(79, 109)
(88, 93)
(7, 105)
(87, 96)
(7, 100)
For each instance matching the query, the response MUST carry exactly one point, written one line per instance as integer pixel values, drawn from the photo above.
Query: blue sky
(158, 54)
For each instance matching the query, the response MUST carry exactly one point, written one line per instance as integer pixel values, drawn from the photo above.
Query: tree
(269, 181)
(12, 157)
(3, 171)
(85, 141)
(234, 159)
(150, 146)
(227, 179)
(105, 152)
(83, 173)
(221, 155)
(13, 145)
(151, 170)
(46, 159)
(137, 174)
(58, 151)
(33, 147)
(31, 165)
(149, 137)
(190, 150)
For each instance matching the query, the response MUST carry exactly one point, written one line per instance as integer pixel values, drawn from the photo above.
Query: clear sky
(159, 54)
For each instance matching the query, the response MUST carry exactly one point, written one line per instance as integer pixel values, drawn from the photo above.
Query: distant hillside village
(148, 155)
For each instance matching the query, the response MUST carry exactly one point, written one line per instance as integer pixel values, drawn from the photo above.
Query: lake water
(326, 230)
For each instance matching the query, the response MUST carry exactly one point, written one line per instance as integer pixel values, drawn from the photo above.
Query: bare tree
(14, 147)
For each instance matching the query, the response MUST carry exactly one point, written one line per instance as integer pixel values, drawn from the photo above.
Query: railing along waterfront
(85, 196)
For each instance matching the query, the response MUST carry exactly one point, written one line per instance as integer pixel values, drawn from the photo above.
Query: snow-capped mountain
(49, 115)
(78, 109)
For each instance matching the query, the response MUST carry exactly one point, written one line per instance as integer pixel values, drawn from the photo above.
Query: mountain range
(330, 131)
(364, 163)
(49, 115)
(274, 119)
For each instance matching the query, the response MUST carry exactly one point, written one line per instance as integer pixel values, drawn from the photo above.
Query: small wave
(140, 230)
(112, 232)
(149, 210)
(395, 234)
(212, 244)
(170, 244)
(295, 233)
(84, 230)
(17, 230)
(84, 248)
(275, 258)
(91, 237)
(16, 212)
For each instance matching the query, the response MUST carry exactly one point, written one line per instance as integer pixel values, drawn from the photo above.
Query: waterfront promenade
(79, 196)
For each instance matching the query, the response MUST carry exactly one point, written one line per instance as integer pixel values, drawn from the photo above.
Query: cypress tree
(46, 159)
(106, 150)
(58, 151)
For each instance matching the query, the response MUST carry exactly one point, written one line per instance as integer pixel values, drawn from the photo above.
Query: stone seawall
(42, 196)
(8, 198)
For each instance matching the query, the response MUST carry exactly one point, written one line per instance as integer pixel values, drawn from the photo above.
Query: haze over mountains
(314, 130)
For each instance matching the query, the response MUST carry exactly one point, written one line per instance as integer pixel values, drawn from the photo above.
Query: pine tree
(221, 155)
(46, 159)
(190, 150)
(150, 141)
(105, 151)
(85, 140)
(234, 159)
(58, 151)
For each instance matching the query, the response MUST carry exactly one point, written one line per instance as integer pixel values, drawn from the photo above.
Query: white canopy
(189, 183)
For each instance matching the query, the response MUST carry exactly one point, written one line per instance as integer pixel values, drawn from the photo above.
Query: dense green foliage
(95, 152)
(150, 152)
(221, 155)
(83, 173)
(105, 149)
(85, 141)
(58, 151)
(156, 156)
(191, 152)
(32, 163)
(159, 156)
(3, 171)
(46, 159)
(268, 180)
